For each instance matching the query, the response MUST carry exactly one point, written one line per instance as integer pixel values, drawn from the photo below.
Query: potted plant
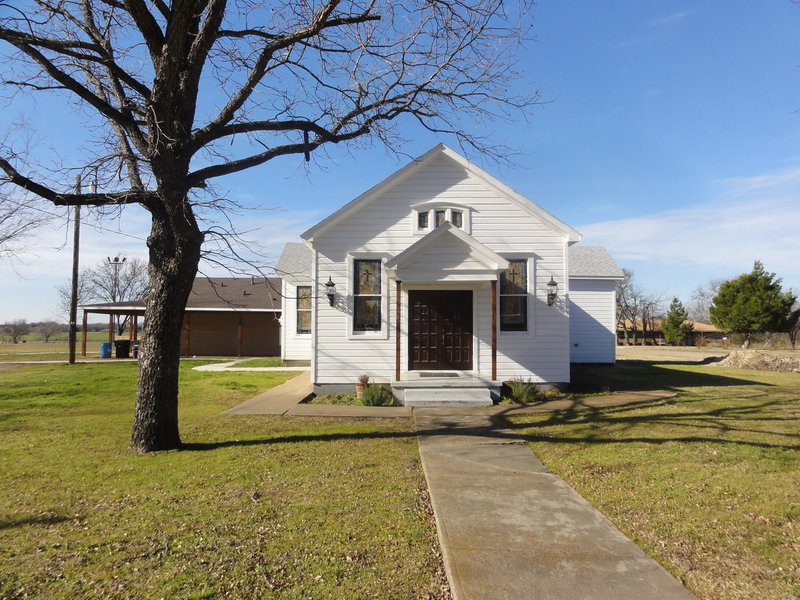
(363, 381)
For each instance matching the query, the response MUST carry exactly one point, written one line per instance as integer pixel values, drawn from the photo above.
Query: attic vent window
(426, 219)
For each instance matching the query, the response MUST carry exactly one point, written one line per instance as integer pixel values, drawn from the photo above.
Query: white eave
(475, 171)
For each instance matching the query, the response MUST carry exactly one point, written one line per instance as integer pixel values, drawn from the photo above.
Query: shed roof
(257, 294)
(593, 262)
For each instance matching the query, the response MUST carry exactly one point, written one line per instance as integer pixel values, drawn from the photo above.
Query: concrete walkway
(511, 530)
(285, 399)
(231, 366)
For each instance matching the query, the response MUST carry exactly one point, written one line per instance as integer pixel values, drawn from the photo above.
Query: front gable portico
(446, 254)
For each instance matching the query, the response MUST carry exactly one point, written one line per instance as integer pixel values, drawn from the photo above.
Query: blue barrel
(105, 350)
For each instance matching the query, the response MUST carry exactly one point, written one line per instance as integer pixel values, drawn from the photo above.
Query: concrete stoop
(443, 392)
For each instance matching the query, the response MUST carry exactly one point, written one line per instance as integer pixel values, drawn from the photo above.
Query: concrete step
(447, 396)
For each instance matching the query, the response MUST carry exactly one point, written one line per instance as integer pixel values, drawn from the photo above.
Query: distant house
(443, 282)
(702, 333)
(225, 316)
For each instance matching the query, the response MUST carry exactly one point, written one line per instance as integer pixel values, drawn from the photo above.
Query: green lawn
(708, 483)
(52, 350)
(257, 507)
(269, 361)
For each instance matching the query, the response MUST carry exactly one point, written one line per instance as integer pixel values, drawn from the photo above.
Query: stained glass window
(367, 295)
(514, 296)
(303, 309)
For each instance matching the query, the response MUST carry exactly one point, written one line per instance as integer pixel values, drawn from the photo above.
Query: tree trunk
(746, 343)
(174, 255)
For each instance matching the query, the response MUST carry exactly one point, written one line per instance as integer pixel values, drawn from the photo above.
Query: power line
(85, 224)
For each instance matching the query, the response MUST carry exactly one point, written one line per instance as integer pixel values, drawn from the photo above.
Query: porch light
(552, 291)
(330, 290)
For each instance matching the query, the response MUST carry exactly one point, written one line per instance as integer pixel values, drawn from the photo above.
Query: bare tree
(178, 86)
(702, 299)
(628, 297)
(16, 329)
(48, 329)
(108, 282)
(18, 220)
(651, 309)
(793, 325)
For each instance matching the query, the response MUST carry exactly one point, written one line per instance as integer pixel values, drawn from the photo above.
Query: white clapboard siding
(592, 321)
(384, 228)
(294, 346)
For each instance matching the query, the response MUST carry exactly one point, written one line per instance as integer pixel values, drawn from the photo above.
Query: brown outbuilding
(225, 316)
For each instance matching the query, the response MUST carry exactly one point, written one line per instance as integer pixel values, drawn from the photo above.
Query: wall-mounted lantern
(552, 291)
(330, 290)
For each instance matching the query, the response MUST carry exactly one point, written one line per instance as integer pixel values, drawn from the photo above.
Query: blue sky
(670, 133)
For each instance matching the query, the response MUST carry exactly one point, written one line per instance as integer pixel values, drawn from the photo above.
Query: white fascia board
(91, 307)
(598, 277)
(418, 276)
(371, 193)
(262, 310)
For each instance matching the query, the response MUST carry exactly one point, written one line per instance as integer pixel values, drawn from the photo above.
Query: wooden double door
(440, 332)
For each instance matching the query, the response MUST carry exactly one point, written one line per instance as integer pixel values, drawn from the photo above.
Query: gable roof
(490, 259)
(424, 160)
(295, 260)
(254, 294)
(593, 262)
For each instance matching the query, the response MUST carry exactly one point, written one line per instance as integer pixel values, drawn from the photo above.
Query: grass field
(52, 350)
(255, 507)
(708, 483)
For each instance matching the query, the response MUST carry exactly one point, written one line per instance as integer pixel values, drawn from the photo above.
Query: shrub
(524, 392)
(376, 395)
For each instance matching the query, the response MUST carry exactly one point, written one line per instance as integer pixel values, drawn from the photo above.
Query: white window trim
(448, 207)
(530, 297)
(384, 331)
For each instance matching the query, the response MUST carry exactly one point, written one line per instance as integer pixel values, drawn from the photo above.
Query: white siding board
(592, 321)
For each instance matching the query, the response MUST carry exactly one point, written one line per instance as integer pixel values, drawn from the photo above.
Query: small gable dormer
(427, 216)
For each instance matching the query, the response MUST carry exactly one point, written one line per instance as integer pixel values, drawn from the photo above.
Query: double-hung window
(303, 309)
(366, 295)
(514, 296)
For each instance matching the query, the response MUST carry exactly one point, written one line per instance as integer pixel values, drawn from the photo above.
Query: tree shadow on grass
(6, 523)
(613, 425)
(644, 375)
(293, 439)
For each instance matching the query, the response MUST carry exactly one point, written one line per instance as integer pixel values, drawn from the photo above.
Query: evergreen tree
(673, 327)
(752, 303)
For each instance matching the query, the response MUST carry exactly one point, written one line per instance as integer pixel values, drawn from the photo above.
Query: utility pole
(73, 300)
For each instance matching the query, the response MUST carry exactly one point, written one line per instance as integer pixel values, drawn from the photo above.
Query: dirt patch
(7, 367)
(760, 361)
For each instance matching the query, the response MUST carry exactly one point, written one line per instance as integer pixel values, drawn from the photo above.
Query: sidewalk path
(511, 530)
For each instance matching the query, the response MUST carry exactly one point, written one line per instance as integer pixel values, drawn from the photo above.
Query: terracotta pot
(360, 390)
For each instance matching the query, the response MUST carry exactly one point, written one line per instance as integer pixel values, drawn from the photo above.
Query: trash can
(122, 348)
(135, 347)
(105, 350)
